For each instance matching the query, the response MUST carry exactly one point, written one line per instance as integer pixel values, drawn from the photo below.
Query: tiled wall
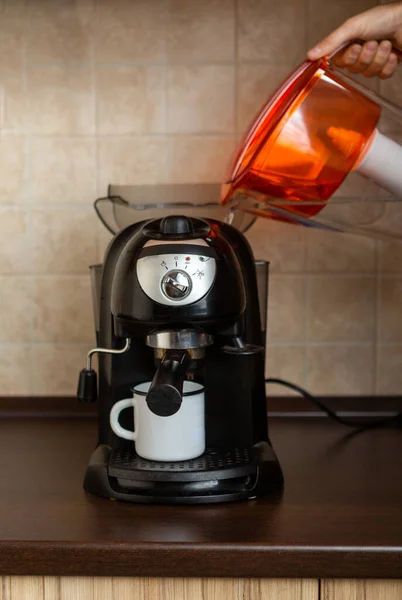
(146, 91)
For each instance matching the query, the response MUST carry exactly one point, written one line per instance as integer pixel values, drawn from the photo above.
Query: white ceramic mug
(178, 437)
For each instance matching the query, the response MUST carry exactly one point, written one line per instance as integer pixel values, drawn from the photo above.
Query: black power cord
(393, 421)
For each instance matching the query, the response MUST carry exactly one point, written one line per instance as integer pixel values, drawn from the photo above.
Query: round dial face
(176, 279)
(176, 284)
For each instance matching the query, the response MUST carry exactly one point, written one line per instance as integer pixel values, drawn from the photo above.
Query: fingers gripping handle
(396, 51)
(126, 434)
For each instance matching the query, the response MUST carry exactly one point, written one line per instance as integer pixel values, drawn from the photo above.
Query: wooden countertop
(340, 514)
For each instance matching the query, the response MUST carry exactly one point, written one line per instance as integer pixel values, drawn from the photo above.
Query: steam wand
(87, 383)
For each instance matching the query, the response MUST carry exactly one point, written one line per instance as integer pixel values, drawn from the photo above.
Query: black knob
(164, 400)
(176, 285)
(176, 225)
(87, 386)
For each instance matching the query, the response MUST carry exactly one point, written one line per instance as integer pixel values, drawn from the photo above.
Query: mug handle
(126, 434)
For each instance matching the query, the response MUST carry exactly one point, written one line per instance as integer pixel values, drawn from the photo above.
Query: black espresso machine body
(169, 276)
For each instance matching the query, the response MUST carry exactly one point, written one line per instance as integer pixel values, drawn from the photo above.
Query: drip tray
(220, 464)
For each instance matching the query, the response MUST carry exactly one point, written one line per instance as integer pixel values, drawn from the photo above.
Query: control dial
(176, 284)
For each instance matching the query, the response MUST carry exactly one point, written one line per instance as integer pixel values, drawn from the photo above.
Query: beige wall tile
(12, 101)
(12, 169)
(14, 8)
(130, 100)
(164, 64)
(62, 309)
(272, 31)
(286, 308)
(389, 371)
(62, 170)
(389, 309)
(341, 309)
(15, 370)
(127, 161)
(201, 31)
(339, 253)
(60, 36)
(255, 85)
(64, 362)
(321, 21)
(15, 309)
(285, 362)
(130, 31)
(390, 226)
(63, 240)
(280, 244)
(340, 370)
(200, 99)
(60, 101)
(11, 70)
(198, 159)
(11, 45)
(40, 8)
(14, 252)
(392, 88)
(390, 257)
(104, 236)
(387, 123)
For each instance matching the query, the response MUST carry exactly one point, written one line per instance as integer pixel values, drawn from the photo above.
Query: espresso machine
(181, 392)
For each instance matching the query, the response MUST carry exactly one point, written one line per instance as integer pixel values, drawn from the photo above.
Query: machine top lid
(177, 227)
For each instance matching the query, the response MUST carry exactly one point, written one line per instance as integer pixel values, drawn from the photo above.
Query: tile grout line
(376, 315)
(307, 299)
(270, 344)
(351, 275)
(144, 63)
(114, 136)
(31, 276)
(95, 137)
(30, 241)
(168, 137)
(327, 344)
(306, 275)
(236, 64)
(306, 22)
(11, 344)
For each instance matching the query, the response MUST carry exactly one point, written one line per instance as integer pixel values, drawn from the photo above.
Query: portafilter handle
(165, 395)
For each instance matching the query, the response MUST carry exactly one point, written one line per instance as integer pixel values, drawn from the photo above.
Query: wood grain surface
(361, 590)
(340, 514)
(103, 588)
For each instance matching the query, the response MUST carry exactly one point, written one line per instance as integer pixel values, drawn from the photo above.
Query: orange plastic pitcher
(315, 130)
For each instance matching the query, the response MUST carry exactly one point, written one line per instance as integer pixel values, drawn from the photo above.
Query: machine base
(216, 476)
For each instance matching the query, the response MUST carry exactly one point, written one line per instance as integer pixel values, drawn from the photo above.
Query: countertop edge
(123, 559)
(69, 407)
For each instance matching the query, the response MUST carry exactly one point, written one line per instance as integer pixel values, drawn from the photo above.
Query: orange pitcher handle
(330, 56)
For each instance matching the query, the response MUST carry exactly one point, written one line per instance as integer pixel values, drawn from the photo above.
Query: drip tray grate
(124, 462)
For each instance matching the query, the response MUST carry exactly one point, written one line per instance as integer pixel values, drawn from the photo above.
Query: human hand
(380, 28)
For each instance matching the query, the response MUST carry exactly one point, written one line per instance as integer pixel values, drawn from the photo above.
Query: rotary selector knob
(176, 284)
